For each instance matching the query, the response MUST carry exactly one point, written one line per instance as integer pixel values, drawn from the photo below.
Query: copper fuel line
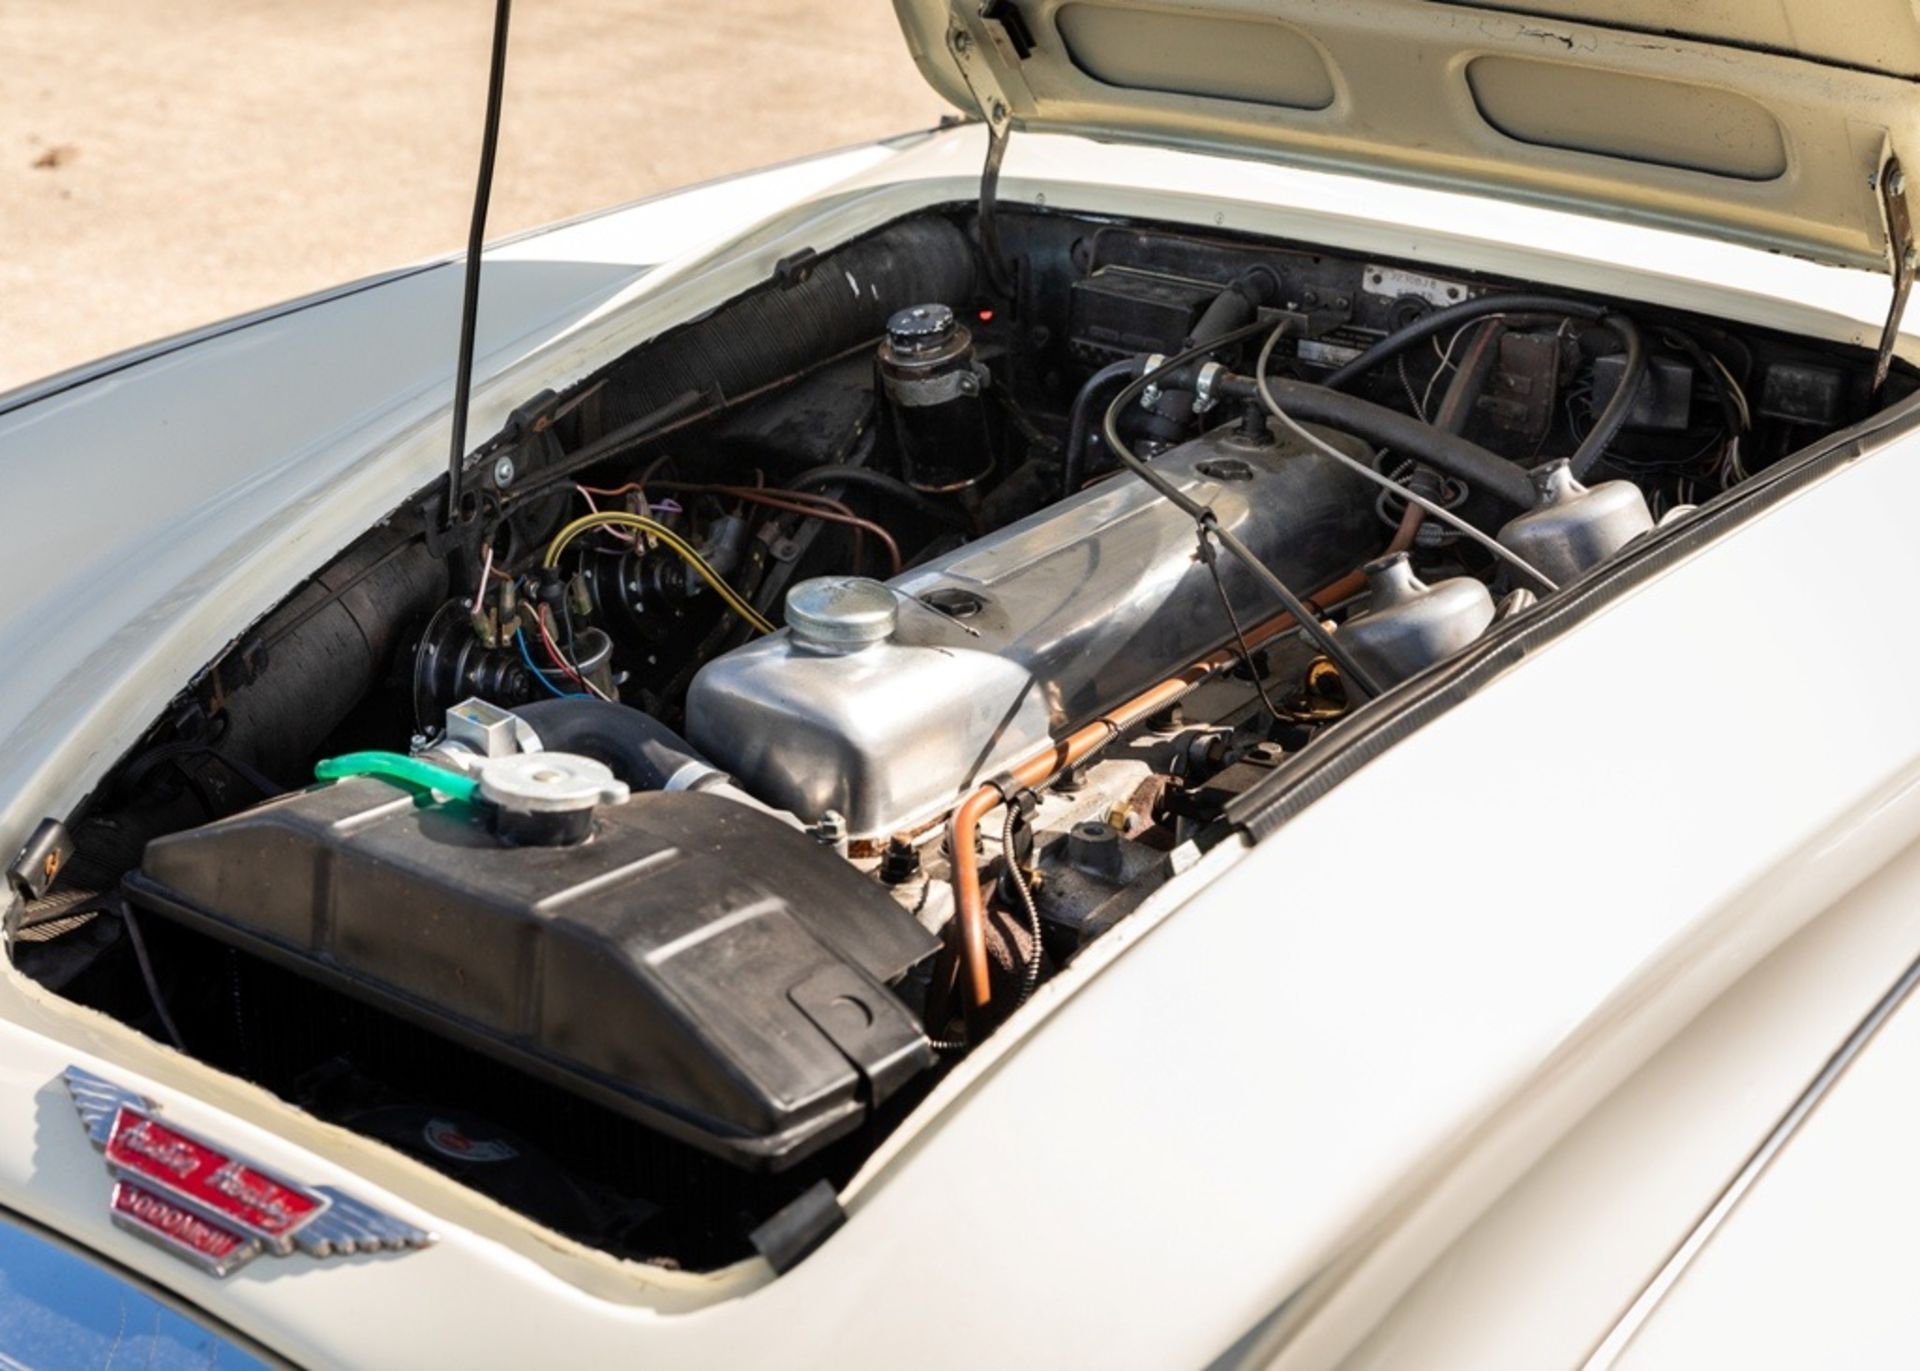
(1040, 766)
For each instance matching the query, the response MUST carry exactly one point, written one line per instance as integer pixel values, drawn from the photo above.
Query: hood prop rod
(476, 239)
(997, 274)
(1901, 256)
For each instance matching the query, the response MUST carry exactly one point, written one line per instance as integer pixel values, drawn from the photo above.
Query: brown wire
(796, 502)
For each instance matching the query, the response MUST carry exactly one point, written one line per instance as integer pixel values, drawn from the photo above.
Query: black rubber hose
(1456, 408)
(1080, 421)
(1608, 422)
(324, 650)
(1229, 312)
(785, 328)
(1236, 306)
(1605, 426)
(641, 750)
(880, 484)
(1356, 675)
(1406, 435)
(1417, 331)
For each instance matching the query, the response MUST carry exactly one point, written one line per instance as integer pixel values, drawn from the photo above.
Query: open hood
(1772, 122)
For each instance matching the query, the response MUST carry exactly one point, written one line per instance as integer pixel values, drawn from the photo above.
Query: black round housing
(933, 387)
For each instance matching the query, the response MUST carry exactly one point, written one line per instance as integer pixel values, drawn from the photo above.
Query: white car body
(1337, 1094)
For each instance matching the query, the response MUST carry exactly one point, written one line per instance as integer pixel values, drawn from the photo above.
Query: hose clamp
(1205, 396)
(1150, 397)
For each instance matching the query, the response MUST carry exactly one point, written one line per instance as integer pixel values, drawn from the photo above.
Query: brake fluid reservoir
(933, 387)
(1409, 625)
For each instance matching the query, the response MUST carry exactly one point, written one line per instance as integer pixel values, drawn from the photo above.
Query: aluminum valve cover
(1030, 631)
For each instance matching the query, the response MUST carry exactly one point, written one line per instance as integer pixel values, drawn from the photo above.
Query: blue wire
(520, 639)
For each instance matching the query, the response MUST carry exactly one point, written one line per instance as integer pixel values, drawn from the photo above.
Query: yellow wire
(670, 539)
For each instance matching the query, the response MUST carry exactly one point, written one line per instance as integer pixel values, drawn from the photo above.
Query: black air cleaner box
(1119, 312)
(696, 964)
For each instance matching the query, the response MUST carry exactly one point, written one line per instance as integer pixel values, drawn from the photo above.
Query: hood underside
(1766, 123)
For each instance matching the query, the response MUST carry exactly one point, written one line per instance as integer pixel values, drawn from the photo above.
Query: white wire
(1445, 516)
(1736, 462)
(486, 569)
(1446, 358)
(1733, 387)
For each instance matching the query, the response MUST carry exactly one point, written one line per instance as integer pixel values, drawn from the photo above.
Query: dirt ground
(166, 165)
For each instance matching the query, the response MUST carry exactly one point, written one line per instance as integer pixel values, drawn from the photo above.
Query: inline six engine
(774, 709)
(886, 703)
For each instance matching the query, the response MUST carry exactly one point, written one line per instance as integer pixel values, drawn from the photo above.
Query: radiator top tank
(1032, 630)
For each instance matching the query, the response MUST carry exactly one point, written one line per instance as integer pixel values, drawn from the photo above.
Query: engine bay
(787, 700)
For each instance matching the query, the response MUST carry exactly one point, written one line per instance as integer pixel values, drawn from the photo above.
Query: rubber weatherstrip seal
(1381, 724)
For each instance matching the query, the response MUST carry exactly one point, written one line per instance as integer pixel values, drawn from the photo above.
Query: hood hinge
(983, 83)
(1902, 257)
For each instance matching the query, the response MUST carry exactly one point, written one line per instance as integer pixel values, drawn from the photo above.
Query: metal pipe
(1037, 768)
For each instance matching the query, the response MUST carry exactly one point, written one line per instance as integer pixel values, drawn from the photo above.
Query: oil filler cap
(843, 613)
(547, 799)
(920, 328)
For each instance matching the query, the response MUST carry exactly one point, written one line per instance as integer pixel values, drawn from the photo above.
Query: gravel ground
(164, 165)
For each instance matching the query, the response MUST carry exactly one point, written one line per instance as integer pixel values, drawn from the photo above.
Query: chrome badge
(206, 1204)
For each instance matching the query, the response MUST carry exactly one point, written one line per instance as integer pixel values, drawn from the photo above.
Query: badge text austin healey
(201, 1202)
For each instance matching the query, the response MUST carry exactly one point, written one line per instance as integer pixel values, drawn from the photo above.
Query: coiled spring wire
(1030, 975)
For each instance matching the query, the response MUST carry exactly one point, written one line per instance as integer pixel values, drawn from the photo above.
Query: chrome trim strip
(1635, 1318)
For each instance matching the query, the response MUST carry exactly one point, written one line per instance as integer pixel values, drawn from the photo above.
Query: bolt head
(503, 472)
